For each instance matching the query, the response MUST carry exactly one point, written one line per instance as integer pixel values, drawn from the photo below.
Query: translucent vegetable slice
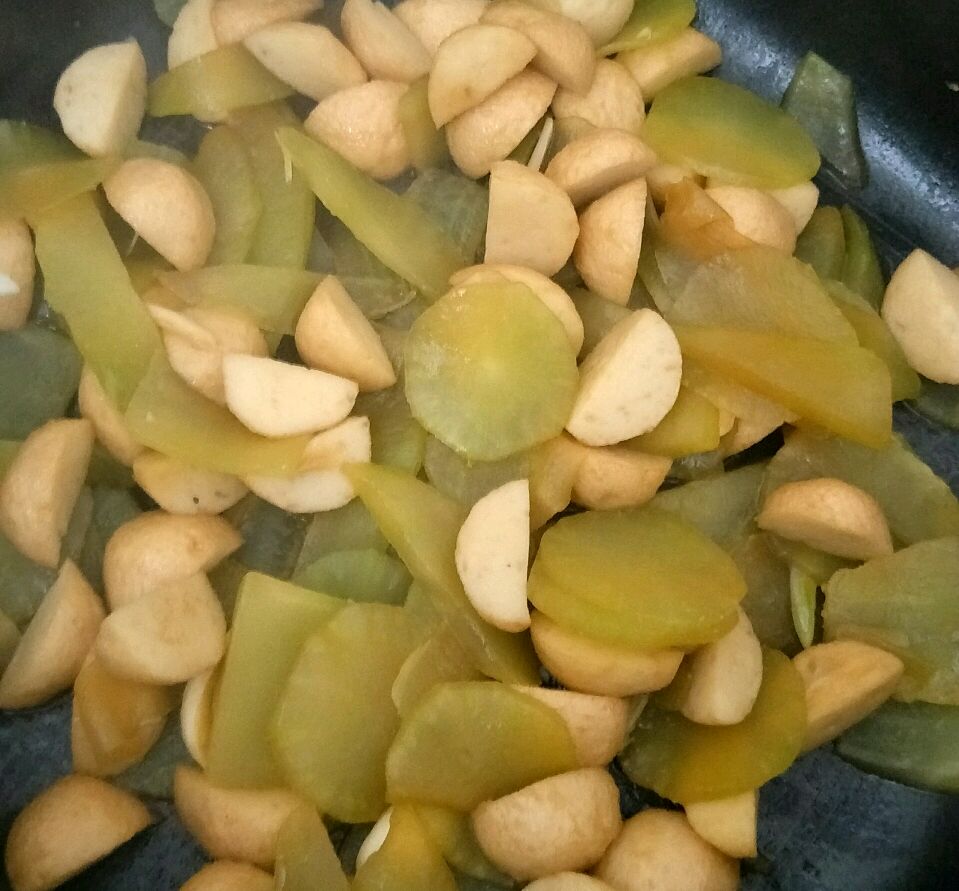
(367, 575)
(912, 742)
(153, 776)
(598, 315)
(439, 659)
(465, 481)
(453, 834)
(456, 204)
(421, 525)
(86, 282)
(472, 741)
(822, 244)
(169, 416)
(691, 426)
(823, 100)
(271, 622)
(803, 601)
(861, 270)
(490, 371)
(426, 142)
(22, 583)
(643, 578)
(271, 537)
(722, 508)
(939, 402)
(223, 167)
(917, 504)
(111, 509)
(210, 86)
(305, 859)
(334, 724)
(905, 603)
(398, 439)
(22, 144)
(650, 21)
(273, 296)
(31, 191)
(39, 375)
(767, 601)
(347, 528)
(392, 226)
(845, 389)
(409, 858)
(818, 565)
(685, 762)
(285, 228)
(719, 129)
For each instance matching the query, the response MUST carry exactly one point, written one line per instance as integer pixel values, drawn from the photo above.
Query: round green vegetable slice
(490, 371)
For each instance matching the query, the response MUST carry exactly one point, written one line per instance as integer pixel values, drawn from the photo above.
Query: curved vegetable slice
(456, 204)
(822, 244)
(691, 426)
(917, 504)
(334, 723)
(223, 167)
(911, 742)
(421, 525)
(22, 583)
(271, 621)
(905, 603)
(940, 402)
(718, 129)
(426, 141)
(348, 528)
(87, 283)
(845, 389)
(651, 21)
(392, 226)
(490, 371)
(468, 481)
(305, 859)
(368, 575)
(398, 439)
(210, 86)
(285, 229)
(686, 762)
(30, 191)
(22, 144)
(803, 597)
(472, 741)
(861, 270)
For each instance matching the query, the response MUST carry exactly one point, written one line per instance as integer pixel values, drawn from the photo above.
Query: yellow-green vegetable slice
(9, 638)
(408, 858)
(722, 130)
(457, 204)
(271, 622)
(911, 742)
(917, 504)
(144, 148)
(468, 481)
(78, 526)
(85, 281)
(453, 833)
(822, 244)
(803, 596)
(305, 858)
(169, 416)
(210, 86)
(939, 402)
(861, 270)
(469, 742)
(39, 375)
(691, 426)
(422, 525)
(490, 371)
(392, 226)
(31, 191)
(8, 450)
(334, 722)
(767, 601)
(438, 660)
(905, 603)
(22, 144)
(398, 439)
(348, 528)
(223, 166)
(426, 142)
(366, 575)
(687, 762)
(818, 565)
(22, 583)
(273, 296)
(651, 21)
(845, 389)
(598, 315)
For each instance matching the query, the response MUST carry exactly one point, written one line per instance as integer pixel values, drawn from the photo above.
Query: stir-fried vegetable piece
(912, 742)
(861, 271)
(468, 742)
(845, 389)
(39, 374)
(349, 528)
(468, 481)
(426, 141)
(456, 204)
(803, 599)
(366, 575)
(22, 583)
(273, 296)
(111, 509)
(153, 776)
(651, 21)
(823, 100)
(917, 504)
(86, 282)
(398, 439)
(271, 622)
(905, 603)
(210, 86)
(392, 226)
(453, 833)
(690, 427)
(721, 130)
(421, 525)
(169, 416)
(822, 244)
(305, 858)
(767, 600)
(223, 167)
(271, 536)
(940, 402)
(22, 144)
(334, 724)
(598, 316)
(485, 389)
(685, 761)
(30, 191)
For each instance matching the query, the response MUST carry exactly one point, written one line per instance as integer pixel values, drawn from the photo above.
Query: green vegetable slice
(348, 528)
(484, 386)
(305, 858)
(32, 191)
(111, 509)
(426, 142)
(822, 244)
(651, 21)
(22, 583)
(22, 144)
(398, 439)
(688, 762)
(912, 742)
(721, 130)
(598, 315)
(803, 596)
(939, 402)
(153, 776)
(367, 575)
(861, 270)
(457, 205)
(168, 10)
(467, 481)
(823, 100)
(271, 537)
(85, 281)
(392, 226)
(767, 600)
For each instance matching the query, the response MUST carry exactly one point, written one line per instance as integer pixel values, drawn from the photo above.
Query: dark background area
(824, 825)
